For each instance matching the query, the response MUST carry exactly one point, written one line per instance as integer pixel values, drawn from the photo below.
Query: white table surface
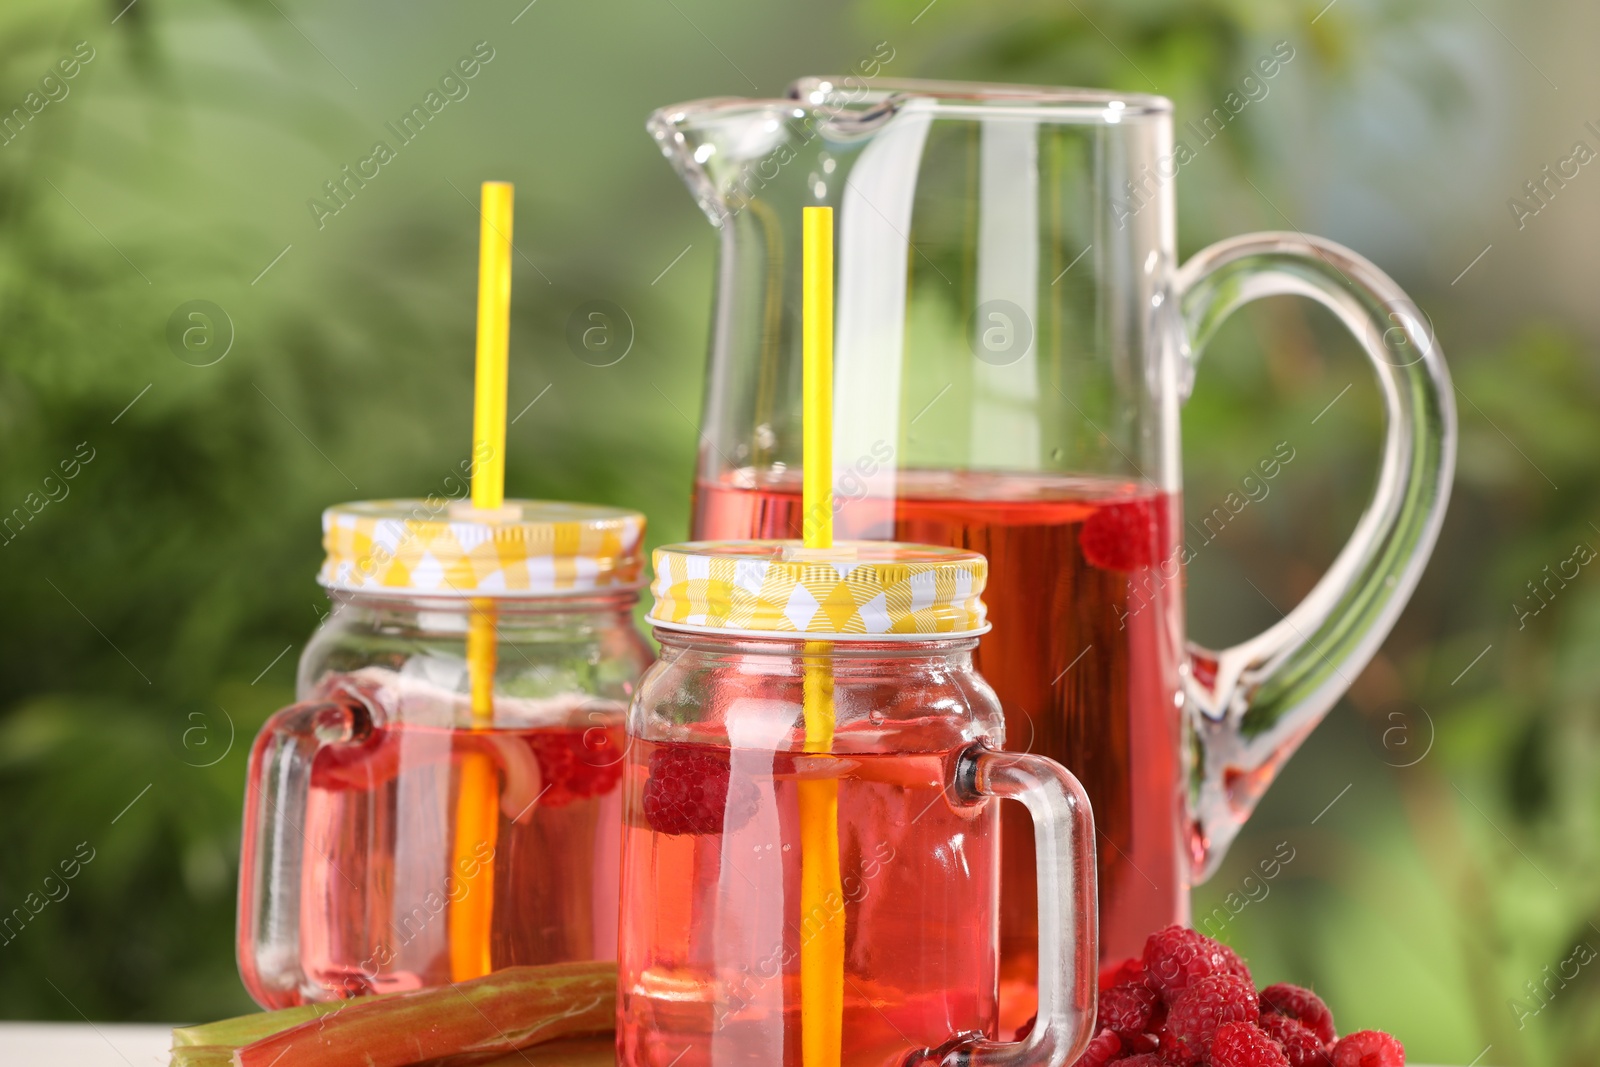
(87, 1045)
(83, 1045)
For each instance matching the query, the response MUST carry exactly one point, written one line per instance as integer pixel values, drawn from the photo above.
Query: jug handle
(274, 843)
(1252, 704)
(1063, 835)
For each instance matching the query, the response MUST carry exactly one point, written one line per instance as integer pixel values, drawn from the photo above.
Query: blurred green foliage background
(153, 613)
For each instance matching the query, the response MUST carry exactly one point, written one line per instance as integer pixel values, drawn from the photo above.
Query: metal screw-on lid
(861, 590)
(438, 547)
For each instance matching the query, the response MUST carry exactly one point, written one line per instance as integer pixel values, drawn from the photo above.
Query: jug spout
(729, 150)
(733, 151)
(690, 136)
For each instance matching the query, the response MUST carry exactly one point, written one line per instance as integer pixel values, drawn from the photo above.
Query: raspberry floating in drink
(1123, 536)
(577, 764)
(688, 792)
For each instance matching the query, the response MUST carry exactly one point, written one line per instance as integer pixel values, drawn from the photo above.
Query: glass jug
(405, 827)
(810, 845)
(1014, 340)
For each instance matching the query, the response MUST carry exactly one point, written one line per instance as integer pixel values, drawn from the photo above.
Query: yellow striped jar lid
(443, 547)
(862, 590)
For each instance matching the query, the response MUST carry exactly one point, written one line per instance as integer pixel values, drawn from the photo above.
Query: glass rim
(825, 95)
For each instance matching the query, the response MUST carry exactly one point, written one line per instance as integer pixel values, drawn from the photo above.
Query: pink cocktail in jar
(750, 925)
(396, 837)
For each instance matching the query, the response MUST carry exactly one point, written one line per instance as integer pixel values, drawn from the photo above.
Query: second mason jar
(444, 799)
(811, 840)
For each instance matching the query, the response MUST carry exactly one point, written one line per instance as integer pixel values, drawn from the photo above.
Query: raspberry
(1301, 1005)
(1141, 1059)
(1025, 1029)
(1176, 956)
(1136, 1043)
(577, 764)
(1207, 1004)
(1243, 1045)
(1124, 536)
(1299, 1042)
(1369, 1048)
(1128, 1009)
(689, 792)
(1101, 1051)
(1129, 970)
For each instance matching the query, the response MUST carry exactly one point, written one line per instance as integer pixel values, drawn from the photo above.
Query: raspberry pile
(1190, 1002)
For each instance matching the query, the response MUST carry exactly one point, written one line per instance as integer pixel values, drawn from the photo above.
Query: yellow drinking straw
(478, 800)
(821, 894)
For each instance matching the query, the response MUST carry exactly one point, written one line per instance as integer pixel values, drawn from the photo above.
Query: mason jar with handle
(445, 798)
(1014, 341)
(811, 843)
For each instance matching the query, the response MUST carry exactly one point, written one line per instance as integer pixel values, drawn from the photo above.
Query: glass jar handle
(1063, 835)
(274, 843)
(1252, 704)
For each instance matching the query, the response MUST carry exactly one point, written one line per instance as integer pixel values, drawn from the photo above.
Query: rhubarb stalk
(499, 1013)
